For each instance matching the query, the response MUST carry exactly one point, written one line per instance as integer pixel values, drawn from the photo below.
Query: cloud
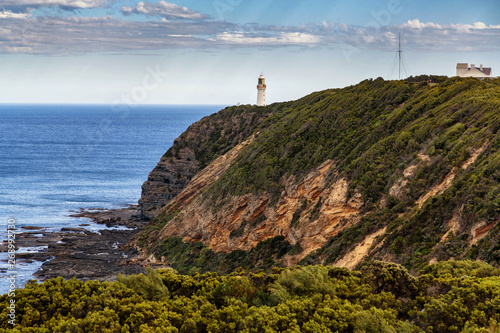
(449, 37)
(28, 5)
(182, 28)
(20, 49)
(164, 9)
(460, 27)
(82, 35)
(416, 36)
(416, 24)
(9, 14)
(283, 38)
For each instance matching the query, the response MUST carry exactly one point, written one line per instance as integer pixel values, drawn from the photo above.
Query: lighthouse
(261, 91)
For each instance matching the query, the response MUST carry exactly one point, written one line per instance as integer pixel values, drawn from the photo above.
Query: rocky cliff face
(166, 181)
(201, 143)
(397, 171)
(307, 213)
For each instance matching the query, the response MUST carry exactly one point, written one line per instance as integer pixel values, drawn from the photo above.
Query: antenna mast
(399, 54)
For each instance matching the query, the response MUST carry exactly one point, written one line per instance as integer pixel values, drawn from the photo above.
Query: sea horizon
(131, 106)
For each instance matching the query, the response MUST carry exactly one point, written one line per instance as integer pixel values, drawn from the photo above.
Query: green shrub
(149, 286)
(307, 280)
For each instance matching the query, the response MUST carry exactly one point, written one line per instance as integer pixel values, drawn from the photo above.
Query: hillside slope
(193, 150)
(393, 170)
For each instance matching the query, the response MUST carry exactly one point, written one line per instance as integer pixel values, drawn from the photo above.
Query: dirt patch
(353, 258)
(474, 154)
(480, 230)
(424, 158)
(453, 225)
(410, 171)
(397, 189)
(438, 189)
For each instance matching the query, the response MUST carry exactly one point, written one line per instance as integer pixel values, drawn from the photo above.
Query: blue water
(55, 159)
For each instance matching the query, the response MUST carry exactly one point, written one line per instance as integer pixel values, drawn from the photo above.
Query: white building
(261, 91)
(463, 70)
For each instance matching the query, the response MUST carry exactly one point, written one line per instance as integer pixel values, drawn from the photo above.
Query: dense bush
(300, 299)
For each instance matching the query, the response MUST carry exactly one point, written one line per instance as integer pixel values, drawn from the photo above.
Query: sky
(212, 51)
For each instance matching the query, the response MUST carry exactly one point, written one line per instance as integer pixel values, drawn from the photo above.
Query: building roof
(485, 70)
(463, 65)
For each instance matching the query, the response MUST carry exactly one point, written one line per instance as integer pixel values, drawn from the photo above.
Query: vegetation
(216, 134)
(373, 131)
(193, 258)
(454, 296)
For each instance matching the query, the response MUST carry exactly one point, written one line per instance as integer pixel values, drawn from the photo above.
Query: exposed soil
(353, 258)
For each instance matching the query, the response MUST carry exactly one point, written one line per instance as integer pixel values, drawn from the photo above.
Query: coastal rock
(90, 256)
(80, 253)
(167, 179)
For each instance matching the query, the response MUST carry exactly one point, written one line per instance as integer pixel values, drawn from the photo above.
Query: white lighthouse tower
(261, 91)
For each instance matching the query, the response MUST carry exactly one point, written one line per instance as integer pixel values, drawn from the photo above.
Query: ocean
(56, 159)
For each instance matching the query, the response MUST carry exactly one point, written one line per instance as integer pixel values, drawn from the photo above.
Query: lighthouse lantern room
(261, 91)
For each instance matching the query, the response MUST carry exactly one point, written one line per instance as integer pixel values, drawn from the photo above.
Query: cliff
(193, 150)
(402, 171)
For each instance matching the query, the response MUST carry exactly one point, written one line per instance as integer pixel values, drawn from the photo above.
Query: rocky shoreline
(83, 254)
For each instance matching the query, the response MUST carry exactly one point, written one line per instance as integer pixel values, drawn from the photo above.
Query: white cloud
(9, 14)
(283, 38)
(467, 28)
(163, 9)
(20, 49)
(416, 24)
(460, 27)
